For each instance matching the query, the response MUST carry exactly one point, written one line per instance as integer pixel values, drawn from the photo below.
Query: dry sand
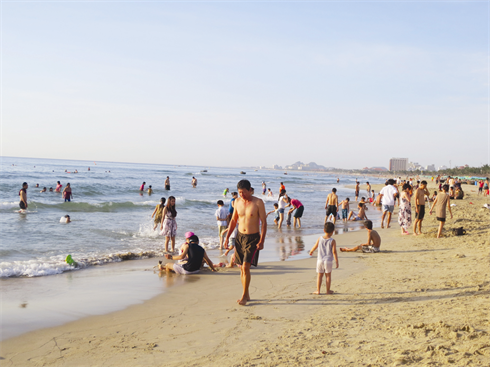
(422, 301)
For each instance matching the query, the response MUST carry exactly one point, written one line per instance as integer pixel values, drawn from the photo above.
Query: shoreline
(421, 301)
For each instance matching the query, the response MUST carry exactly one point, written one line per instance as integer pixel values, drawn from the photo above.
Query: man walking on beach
(250, 238)
(23, 197)
(387, 194)
(420, 206)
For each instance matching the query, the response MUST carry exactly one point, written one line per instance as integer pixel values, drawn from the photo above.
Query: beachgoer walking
(250, 213)
(440, 203)
(158, 213)
(23, 197)
(420, 194)
(331, 205)
(264, 188)
(480, 187)
(194, 182)
(368, 189)
(327, 252)
(169, 224)
(221, 216)
(67, 194)
(167, 183)
(387, 195)
(486, 188)
(405, 212)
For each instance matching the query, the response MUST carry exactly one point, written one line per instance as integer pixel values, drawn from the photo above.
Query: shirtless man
(167, 183)
(368, 188)
(357, 189)
(250, 238)
(331, 205)
(420, 206)
(373, 243)
(23, 197)
(361, 215)
(194, 182)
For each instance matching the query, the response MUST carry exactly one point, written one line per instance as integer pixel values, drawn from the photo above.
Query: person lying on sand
(196, 255)
(373, 242)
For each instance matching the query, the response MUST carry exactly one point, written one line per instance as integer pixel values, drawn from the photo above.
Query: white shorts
(324, 266)
(180, 270)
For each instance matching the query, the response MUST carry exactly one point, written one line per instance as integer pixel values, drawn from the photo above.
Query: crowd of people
(242, 225)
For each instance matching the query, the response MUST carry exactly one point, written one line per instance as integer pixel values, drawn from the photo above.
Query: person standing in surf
(158, 212)
(167, 183)
(194, 182)
(169, 224)
(23, 197)
(67, 195)
(250, 213)
(58, 187)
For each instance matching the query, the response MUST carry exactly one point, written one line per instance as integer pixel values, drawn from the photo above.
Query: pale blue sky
(347, 84)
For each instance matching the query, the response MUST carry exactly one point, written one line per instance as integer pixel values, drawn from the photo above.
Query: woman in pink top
(299, 211)
(58, 187)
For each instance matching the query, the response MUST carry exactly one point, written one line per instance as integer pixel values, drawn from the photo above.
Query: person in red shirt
(296, 205)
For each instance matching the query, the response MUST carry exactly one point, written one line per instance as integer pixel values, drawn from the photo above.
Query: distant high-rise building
(398, 164)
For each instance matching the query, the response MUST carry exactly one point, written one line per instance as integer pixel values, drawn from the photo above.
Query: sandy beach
(421, 301)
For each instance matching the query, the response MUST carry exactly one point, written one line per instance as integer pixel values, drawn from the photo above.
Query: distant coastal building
(430, 167)
(276, 167)
(398, 164)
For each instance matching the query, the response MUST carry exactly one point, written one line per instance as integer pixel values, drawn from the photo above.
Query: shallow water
(112, 219)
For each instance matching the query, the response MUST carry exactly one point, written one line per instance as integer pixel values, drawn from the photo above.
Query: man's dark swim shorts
(332, 209)
(22, 205)
(246, 250)
(299, 212)
(420, 215)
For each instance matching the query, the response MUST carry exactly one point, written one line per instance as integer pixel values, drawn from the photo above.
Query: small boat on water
(243, 173)
(204, 170)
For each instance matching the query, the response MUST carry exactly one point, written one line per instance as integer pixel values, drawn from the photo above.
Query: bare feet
(415, 234)
(405, 233)
(382, 226)
(243, 301)
(388, 227)
(330, 292)
(317, 293)
(342, 249)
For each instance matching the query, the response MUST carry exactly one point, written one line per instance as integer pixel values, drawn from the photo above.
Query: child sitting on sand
(373, 242)
(327, 251)
(361, 215)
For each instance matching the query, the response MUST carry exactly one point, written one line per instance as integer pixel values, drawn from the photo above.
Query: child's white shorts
(324, 266)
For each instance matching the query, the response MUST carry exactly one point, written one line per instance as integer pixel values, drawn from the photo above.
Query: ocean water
(111, 219)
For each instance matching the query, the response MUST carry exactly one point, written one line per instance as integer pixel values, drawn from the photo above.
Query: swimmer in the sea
(225, 192)
(43, 190)
(150, 190)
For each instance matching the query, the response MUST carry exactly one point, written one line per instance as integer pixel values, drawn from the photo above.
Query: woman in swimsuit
(169, 224)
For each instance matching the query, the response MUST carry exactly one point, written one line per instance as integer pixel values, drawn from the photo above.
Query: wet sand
(421, 301)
